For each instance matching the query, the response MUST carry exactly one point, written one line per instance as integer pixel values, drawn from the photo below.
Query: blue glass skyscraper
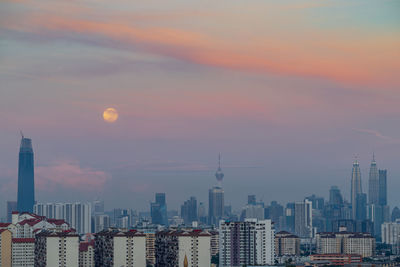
(26, 183)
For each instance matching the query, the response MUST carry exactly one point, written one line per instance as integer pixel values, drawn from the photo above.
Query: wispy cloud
(379, 135)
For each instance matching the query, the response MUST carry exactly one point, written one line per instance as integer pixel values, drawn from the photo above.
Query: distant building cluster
(334, 231)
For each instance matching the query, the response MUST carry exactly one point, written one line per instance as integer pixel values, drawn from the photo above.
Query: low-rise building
(346, 243)
(287, 244)
(337, 259)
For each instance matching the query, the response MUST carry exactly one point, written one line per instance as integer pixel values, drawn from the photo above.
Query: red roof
(4, 224)
(23, 240)
(31, 222)
(56, 221)
(15, 212)
(84, 246)
(2, 230)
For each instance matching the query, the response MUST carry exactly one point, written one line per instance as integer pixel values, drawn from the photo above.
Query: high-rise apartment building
(114, 248)
(86, 254)
(159, 210)
(391, 232)
(246, 243)
(23, 251)
(56, 249)
(78, 215)
(26, 183)
(356, 187)
(303, 219)
(101, 222)
(373, 183)
(179, 248)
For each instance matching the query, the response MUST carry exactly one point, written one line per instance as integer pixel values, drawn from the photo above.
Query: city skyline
(288, 94)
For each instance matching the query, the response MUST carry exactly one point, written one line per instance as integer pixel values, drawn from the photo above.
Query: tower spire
(219, 161)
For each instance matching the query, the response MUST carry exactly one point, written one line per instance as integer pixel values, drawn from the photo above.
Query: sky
(288, 91)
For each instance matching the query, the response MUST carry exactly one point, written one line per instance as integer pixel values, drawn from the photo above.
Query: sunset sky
(288, 91)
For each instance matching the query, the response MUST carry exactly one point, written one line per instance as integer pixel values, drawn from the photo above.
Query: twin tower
(26, 180)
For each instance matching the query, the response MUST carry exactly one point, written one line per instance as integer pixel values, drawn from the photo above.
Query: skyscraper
(383, 187)
(26, 184)
(355, 186)
(335, 197)
(216, 198)
(303, 218)
(373, 183)
(189, 211)
(159, 210)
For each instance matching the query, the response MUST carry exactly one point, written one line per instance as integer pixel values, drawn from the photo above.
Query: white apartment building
(117, 248)
(346, 243)
(391, 232)
(56, 249)
(251, 242)
(23, 252)
(86, 254)
(78, 215)
(175, 247)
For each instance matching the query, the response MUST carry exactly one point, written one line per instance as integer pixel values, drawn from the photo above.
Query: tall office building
(373, 183)
(335, 197)
(159, 210)
(26, 184)
(216, 198)
(355, 186)
(383, 187)
(361, 207)
(11, 206)
(189, 211)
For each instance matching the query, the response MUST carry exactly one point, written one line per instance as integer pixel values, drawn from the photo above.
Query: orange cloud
(338, 56)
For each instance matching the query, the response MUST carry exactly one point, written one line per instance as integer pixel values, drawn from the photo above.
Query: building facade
(345, 243)
(78, 215)
(26, 182)
(175, 247)
(356, 187)
(287, 244)
(114, 248)
(56, 249)
(5, 247)
(246, 243)
(86, 254)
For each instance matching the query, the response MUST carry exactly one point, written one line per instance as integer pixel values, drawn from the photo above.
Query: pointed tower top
(219, 174)
(355, 159)
(373, 156)
(185, 262)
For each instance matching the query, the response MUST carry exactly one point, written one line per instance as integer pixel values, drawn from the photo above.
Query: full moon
(110, 115)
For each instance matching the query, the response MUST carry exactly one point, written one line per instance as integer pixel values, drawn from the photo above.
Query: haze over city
(289, 92)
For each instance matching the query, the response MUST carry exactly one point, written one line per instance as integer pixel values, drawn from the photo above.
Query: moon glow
(110, 115)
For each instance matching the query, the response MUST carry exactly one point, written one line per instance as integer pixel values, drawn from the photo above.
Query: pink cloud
(335, 55)
(69, 175)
